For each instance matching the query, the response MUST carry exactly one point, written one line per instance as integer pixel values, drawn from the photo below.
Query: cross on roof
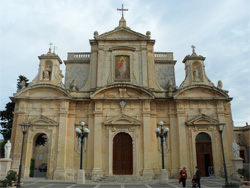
(193, 49)
(122, 9)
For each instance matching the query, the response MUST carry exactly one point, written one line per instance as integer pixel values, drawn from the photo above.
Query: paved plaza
(173, 183)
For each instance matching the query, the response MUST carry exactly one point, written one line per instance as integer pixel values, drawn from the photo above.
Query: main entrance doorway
(204, 154)
(122, 154)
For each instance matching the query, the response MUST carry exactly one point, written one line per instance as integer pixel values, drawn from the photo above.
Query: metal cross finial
(50, 44)
(55, 47)
(193, 49)
(122, 9)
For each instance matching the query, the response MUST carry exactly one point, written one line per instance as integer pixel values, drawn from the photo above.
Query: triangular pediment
(122, 120)
(43, 120)
(202, 119)
(122, 34)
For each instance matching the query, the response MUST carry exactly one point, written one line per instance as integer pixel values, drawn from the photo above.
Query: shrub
(11, 175)
(244, 172)
(230, 185)
(5, 183)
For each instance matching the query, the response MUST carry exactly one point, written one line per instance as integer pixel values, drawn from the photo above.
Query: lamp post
(25, 127)
(162, 133)
(221, 127)
(81, 133)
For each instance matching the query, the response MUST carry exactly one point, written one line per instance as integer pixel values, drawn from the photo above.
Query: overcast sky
(220, 30)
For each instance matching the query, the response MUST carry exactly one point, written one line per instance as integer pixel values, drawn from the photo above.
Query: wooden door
(122, 154)
(204, 153)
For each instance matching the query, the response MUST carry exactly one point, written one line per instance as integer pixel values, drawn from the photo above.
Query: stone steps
(121, 179)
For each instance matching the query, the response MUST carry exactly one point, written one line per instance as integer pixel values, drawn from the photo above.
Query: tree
(7, 120)
(6, 115)
(19, 81)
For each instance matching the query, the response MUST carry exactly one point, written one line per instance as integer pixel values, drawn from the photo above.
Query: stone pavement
(173, 183)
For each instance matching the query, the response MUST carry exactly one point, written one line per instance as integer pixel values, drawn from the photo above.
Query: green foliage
(2, 149)
(230, 185)
(5, 183)
(11, 177)
(6, 117)
(41, 140)
(245, 173)
(19, 80)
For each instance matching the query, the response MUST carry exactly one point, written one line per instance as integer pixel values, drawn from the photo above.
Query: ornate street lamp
(221, 127)
(25, 127)
(81, 133)
(163, 134)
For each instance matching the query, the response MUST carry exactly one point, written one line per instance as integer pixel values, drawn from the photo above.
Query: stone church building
(122, 89)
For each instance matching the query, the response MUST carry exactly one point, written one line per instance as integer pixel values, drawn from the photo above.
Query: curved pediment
(202, 119)
(122, 92)
(122, 120)
(43, 120)
(42, 91)
(201, 92)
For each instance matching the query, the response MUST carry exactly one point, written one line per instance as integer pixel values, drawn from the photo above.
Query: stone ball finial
(148, 34)
(220, 84)
(96, 34)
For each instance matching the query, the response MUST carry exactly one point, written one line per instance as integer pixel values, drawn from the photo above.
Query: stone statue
(73, 86)
(46, 73)
(23, 84)
(196, 74)
(7, 148)
(220, 84)
(236, 149)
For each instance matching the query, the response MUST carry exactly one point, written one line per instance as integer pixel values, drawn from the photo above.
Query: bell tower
(49, 69)
(195, 70)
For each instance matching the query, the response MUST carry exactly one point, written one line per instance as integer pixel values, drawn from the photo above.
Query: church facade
(122, 89)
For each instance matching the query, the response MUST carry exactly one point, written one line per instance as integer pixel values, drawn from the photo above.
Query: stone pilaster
(62, 142)
(144, 67)
(97, 170)
(147, 152)
(100, 66)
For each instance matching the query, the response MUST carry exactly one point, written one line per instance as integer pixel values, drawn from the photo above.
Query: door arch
(204, 153)
(122, 154)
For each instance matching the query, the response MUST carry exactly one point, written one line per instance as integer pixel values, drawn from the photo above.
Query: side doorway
(39, 159)
(204, 154)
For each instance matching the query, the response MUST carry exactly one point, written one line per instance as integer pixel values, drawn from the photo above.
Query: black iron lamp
(24, 127)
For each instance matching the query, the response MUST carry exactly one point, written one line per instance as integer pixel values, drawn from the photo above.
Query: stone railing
(164, 56)
(79, 56)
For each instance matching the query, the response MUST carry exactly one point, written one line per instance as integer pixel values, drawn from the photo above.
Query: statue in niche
(73, 86)
(7, 148)
(196, 74)
(236, 149)
(47, 73)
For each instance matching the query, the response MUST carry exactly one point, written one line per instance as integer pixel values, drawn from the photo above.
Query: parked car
(43, 167)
